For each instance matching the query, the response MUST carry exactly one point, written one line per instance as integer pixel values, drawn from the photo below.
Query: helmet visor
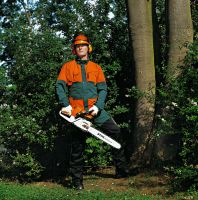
(80, 42)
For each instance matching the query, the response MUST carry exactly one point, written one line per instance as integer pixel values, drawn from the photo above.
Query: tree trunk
(180, 33)
(141, 34)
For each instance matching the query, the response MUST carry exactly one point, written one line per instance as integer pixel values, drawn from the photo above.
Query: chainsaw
(82, 121)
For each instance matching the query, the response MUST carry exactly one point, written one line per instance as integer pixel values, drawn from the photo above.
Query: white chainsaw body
(87, 126)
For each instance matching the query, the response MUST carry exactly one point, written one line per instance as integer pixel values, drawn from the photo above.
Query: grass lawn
(98, 186)
(11, 191)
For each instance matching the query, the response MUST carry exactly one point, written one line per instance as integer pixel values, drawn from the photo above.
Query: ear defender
(90, 48)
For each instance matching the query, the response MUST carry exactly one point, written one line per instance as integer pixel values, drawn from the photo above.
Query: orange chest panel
(72, 72)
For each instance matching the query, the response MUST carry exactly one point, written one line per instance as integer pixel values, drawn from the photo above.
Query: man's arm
(101, 88)
(62, 93)
(102, 93)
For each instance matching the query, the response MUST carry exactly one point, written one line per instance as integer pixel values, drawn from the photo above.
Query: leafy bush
(185, 178)
(180, 116)
(26, 166)
(28, 119)
(101, 152)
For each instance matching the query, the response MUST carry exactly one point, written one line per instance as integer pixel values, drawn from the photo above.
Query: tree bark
(180, 33)
(141, 34)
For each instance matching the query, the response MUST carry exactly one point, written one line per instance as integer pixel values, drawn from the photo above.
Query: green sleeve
(102, 93)
(62, 92)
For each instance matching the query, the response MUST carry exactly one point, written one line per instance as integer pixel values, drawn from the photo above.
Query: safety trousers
(78, 145)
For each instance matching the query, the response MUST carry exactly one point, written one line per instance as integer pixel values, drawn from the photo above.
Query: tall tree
(140, 24)
(180, 33)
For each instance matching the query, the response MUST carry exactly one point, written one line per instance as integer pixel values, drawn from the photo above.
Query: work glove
(67, 110)
(93, 110)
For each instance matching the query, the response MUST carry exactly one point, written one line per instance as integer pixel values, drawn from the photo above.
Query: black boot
(121, 173)
(76, 160)
(78, 185)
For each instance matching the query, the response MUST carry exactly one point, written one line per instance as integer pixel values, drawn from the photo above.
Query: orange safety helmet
(81, 39)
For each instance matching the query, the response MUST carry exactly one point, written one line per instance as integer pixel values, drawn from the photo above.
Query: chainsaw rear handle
(82, 114)
(85, 115)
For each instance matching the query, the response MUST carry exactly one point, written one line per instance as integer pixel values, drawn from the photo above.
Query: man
(81, 86)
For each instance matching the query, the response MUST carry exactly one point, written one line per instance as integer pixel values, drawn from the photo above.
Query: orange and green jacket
(82, 84)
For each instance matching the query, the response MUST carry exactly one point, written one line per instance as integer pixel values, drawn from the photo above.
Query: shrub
(180, 116)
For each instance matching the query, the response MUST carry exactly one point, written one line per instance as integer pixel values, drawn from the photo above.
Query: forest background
(35, 41)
